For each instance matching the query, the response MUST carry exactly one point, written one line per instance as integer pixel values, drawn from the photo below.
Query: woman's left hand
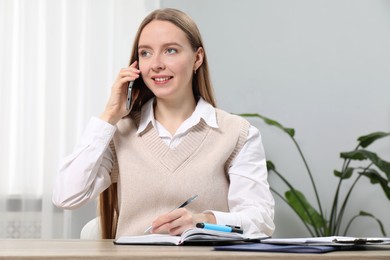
(178, 220)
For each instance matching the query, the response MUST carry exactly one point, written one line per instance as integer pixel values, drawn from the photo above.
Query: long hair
(201, 86)
(108, 207)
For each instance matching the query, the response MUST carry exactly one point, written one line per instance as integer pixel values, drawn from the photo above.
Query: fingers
(128, 74)
(174, 222)
(116, 106)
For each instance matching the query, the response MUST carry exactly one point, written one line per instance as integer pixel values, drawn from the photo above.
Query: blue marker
(220, 227)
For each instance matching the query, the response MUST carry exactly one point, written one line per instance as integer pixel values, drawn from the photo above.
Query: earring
(194, 72)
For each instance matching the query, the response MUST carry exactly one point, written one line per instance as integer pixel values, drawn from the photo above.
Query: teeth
(161, 79)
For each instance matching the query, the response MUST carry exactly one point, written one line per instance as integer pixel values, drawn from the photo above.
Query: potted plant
(357, 164)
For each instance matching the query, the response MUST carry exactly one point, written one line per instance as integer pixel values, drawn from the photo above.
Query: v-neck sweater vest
(153, 179)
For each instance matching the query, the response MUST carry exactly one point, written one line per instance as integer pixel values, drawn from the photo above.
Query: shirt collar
(203, 110)
(147, 116)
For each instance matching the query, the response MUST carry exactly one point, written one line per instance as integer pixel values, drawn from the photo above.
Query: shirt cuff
(225, 218)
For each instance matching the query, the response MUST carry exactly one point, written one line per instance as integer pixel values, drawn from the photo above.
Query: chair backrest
(91, 230)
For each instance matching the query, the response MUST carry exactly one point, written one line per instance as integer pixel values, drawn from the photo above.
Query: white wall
(321, 67)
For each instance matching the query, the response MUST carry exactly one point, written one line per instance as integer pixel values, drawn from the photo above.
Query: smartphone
(129, 95)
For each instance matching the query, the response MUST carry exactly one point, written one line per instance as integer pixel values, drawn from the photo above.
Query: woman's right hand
(116, 105)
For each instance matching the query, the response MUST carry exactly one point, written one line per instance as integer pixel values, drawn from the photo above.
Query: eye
(171, 51)
(144, 53)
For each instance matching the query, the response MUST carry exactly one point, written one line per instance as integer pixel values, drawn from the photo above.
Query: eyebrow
(164, 45)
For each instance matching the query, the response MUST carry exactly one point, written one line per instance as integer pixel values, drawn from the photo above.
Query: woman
(172, 145)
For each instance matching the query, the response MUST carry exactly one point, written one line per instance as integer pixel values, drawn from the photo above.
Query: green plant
(376, 170)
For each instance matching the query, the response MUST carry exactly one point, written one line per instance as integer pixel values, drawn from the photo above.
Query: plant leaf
(270, 166)
(364, 154)
(303, 208)
(344, 175)
(353, 155)
(289, 131)
(366, 214)
(366, 140)
(376, 178)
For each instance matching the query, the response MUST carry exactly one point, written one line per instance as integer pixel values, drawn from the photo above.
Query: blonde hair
(201, 86)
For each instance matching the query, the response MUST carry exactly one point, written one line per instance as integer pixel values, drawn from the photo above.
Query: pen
(129, 90)
(357, 241)
(178, 207)
(222, 228)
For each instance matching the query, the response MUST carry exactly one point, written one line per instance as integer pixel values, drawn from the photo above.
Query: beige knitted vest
(153, 179)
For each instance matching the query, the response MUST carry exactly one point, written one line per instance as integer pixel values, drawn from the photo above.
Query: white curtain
(58, 61)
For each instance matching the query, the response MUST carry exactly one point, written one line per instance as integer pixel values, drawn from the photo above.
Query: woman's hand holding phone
(116, 105)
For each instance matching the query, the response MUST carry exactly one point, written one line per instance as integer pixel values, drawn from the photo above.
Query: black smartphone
(129, 95)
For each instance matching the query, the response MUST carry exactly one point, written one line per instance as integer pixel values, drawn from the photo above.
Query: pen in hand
(180, 206)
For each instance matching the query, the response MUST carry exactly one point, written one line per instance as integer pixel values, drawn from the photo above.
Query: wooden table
(105, 249)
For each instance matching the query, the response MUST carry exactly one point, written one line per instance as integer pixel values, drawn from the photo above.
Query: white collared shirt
(85, 173)
(202, 110)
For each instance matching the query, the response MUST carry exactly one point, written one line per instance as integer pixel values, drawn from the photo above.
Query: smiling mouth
(162, 79)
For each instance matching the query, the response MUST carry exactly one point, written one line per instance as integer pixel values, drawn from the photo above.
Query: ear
(199, 55)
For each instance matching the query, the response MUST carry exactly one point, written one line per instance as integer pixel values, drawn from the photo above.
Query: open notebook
(190, 236)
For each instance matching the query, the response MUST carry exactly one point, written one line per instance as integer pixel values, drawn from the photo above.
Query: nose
(158, 63)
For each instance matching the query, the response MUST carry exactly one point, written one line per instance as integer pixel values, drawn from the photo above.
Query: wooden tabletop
(105, 249)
